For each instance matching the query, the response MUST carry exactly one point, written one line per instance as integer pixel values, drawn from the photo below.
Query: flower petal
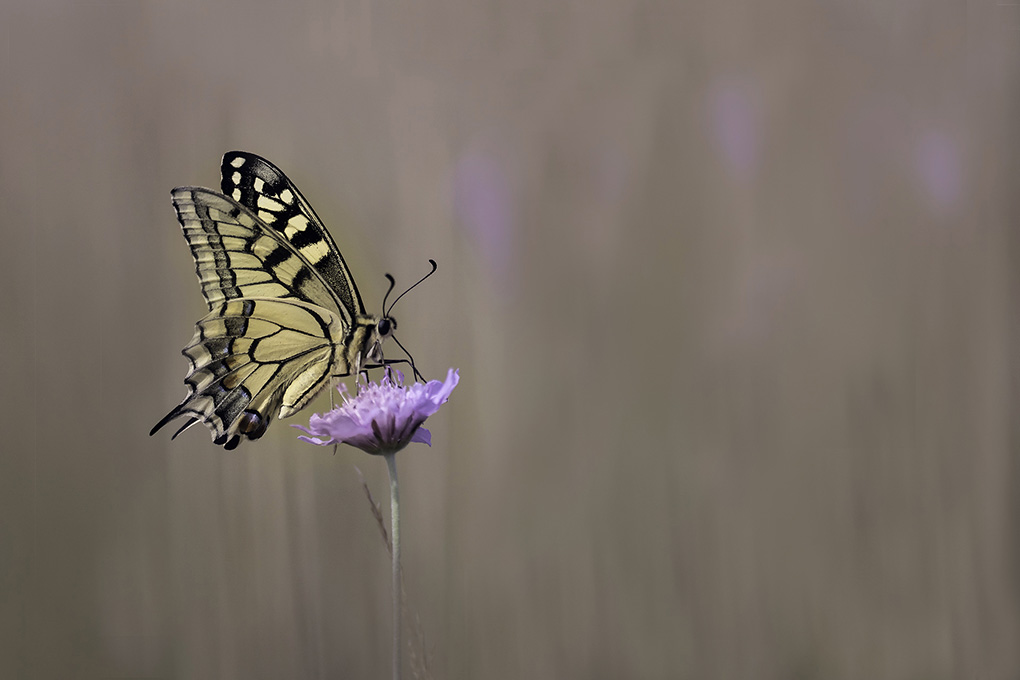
(422, 436)
(440, 391)
(313, 440)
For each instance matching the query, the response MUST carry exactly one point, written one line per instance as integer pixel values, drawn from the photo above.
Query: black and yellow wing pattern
(284, 312)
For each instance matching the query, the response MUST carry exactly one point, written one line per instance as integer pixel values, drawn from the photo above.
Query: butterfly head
(383, 329)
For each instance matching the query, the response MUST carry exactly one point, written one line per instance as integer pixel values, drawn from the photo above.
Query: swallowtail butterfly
(284, 312)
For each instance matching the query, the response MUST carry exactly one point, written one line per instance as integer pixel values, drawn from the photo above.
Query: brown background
(731, 290)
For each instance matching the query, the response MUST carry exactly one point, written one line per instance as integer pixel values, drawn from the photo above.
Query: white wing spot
(259, 184)
(236, 178)
(315, 252)
(295, 225)
(236, 195)
(286, 196)
(237, 162)
(266, 216)
(269, 203)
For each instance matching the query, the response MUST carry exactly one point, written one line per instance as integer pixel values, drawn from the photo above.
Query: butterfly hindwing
(254, 358)
(266, 192)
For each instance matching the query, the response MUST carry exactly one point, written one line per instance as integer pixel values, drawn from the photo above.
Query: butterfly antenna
(388, 291)
(417, 373)
(386, 312)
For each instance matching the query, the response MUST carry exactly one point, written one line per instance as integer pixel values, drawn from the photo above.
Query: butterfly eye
(386, 326)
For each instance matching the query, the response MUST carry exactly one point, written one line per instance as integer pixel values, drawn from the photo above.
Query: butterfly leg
(414, 369)
(386, 363)
(362, 373)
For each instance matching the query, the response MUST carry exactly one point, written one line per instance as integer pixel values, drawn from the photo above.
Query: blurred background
(730, 286)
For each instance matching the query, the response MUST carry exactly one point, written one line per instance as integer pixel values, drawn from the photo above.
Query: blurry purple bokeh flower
(383, 417)
(734, 122)
(484, 203)
(938, 163)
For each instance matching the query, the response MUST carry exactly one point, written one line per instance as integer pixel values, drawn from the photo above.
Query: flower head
(383, 417)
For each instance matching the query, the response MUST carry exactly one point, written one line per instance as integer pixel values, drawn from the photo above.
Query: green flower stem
(391, 463)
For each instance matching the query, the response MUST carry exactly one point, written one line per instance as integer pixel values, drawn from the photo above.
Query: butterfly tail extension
(173, 415)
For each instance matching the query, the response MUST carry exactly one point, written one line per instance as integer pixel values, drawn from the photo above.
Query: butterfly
(285, 315)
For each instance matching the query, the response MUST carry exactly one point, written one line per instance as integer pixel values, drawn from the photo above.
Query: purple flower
(383, 417)
(735, 120)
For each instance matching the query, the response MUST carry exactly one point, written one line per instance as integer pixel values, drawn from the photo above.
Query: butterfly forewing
(263, 189)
